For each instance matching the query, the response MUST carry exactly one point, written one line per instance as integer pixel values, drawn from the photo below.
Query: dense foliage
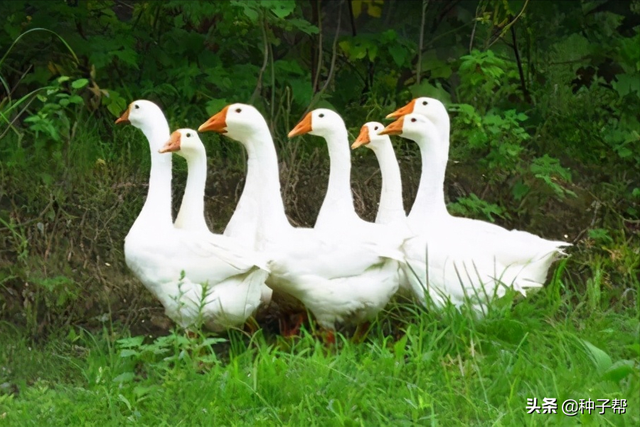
(545, 100)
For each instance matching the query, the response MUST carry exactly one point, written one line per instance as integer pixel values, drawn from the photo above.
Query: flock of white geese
(344, 269)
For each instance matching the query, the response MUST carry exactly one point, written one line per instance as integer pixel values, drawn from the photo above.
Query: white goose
(391, 208)
(337, 214)
(337, 279)
(465, 257)
(174, 263)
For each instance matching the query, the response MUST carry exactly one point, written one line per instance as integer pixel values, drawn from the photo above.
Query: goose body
(338, 279)
(191, 271)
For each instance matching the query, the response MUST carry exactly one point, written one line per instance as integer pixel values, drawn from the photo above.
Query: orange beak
(173, 144)
(362, 139)
(402, 111)
(124, 118)
(303, 127)
(217, 123)
(394, 128)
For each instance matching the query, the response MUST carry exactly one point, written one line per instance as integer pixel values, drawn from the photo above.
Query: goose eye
(413, 120)
(321, 115)
(136, 106)
(375, 128)
(424, 102)
(238, 110)
(189, 135)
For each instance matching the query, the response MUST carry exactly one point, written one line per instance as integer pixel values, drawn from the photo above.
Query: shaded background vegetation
(544, 97)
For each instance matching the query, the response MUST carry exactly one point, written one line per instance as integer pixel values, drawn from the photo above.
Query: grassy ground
(414, 368)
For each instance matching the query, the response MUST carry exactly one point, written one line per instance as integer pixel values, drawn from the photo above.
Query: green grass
(414, 368)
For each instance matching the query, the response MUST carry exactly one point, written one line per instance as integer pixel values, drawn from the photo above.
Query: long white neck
(443, 124)
(242, 223)
(156, 211)
(263, 182)
(429, 201)
(391, 207)
(191, 214)
(338, 202)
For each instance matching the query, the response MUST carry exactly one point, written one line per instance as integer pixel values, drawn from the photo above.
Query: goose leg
(294, 330)
(327, 336)
(300, 319)
(361, 332)
(251, 325)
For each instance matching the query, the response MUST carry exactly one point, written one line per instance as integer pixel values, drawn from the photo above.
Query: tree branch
(334, 55)
(318, 68)
(425, 3)
(352, 19)
(509, 25)
(523, 83)
(265, 60)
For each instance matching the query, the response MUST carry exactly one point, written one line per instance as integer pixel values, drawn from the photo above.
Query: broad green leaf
(280, 8)
(213, 341)
(128, 352)
(301, 90)
(625, 84)
(601, 359)
(130, 342)
(80, 83)
(520, 190)
(425, 88)
(215, 105)
(124, 377)
(620, 370)
(125, 401)
(303, 25)
(398, 54)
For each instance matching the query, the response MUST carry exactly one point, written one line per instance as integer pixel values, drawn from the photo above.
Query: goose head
(185, 143)
(319, 122)
(415, 127)
(238, 121)
(430, 108)
(142, 114)
(370, 138)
